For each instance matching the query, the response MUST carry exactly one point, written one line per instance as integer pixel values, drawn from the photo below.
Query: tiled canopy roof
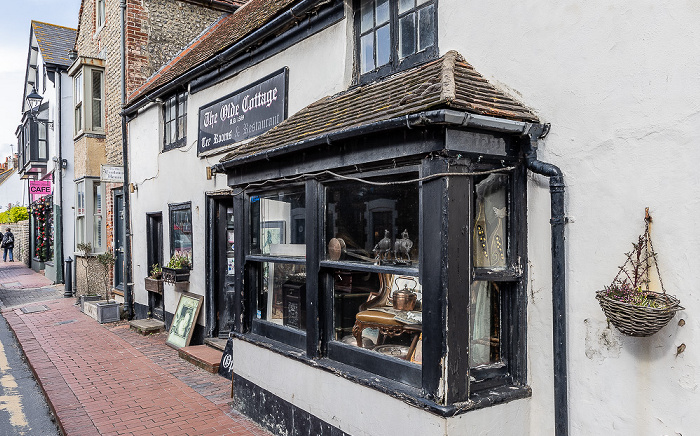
(221, 5)
(54, 42)
(447, 82)
(228, 30)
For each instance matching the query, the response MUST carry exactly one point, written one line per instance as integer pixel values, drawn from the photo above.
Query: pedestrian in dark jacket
(8, 243)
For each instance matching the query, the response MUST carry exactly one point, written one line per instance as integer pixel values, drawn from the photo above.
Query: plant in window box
(178, 268)
(85, 291)
(154, 282)
(107, 311)
(628, 303)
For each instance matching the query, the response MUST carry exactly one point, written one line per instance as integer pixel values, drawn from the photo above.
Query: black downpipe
(558, 220)
(128, 282)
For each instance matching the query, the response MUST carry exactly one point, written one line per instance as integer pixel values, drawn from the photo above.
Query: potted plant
(154, 282)
(107, 311)
(628, 303)
(178, 268)
(85, 292)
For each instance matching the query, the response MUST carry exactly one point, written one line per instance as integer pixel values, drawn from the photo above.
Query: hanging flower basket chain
(628, 303)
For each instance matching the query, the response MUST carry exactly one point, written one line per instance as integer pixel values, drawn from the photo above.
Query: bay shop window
(380, 270)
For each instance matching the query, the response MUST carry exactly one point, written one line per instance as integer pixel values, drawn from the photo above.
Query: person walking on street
(8, 243)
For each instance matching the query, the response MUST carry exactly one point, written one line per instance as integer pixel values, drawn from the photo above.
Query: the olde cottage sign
(244, 114)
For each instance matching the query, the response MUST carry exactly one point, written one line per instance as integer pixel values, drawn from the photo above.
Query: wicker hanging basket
(633, 310)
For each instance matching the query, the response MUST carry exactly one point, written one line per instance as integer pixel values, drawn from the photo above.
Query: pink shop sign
(39, 188)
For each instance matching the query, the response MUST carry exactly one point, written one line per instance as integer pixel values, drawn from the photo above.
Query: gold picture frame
(184, 320)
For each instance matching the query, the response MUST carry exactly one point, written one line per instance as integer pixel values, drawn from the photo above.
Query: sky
(15, 21)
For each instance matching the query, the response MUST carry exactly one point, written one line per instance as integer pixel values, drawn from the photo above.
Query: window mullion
(314, 292)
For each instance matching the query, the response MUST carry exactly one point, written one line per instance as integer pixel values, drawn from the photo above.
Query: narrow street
(23, 408)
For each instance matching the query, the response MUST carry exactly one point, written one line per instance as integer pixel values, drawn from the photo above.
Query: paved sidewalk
(109, 380)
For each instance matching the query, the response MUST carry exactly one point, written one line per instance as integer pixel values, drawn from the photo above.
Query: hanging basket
(633, 310)
(633, 320)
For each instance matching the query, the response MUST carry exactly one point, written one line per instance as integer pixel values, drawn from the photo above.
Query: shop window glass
(376, 225)
(278, 232)
(491, 222)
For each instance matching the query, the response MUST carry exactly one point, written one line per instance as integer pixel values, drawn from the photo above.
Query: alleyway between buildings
(108, 379)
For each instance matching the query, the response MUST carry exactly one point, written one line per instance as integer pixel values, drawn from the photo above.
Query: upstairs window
(88, 100)
(175, 121)
(393, 35)
(99, 14)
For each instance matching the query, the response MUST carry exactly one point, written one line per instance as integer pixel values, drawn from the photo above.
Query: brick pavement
(109, 380)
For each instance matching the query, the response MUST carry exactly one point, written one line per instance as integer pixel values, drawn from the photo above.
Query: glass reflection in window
(373, 224)
(282, 297)
(490, 226)
(278, 224)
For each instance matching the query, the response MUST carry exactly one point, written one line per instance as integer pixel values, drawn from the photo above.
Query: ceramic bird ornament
(383, 247)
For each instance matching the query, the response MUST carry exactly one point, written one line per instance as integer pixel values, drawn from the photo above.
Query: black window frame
(172, 207)
(395, 64)
(180, 99)
(445, 265)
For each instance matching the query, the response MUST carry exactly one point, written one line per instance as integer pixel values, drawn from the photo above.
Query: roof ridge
(447, 76)
(53, 25)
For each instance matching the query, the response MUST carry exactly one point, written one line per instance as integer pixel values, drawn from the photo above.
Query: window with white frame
(175, 121)
(88, 100)
(99, 14)
(393, 35)
(89, 214)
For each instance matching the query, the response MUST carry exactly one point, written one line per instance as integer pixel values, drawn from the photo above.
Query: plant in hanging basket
(628, 303)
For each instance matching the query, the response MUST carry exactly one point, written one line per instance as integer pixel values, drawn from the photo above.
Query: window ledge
(407, 394)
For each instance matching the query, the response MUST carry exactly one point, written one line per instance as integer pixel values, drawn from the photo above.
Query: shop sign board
(112, 173)
(244, 114)
(39, 189)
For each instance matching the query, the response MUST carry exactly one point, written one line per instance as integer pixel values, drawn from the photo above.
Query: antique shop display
(627, 302)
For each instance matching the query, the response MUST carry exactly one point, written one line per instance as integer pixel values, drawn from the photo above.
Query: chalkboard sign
(243, 114)
(226, 365)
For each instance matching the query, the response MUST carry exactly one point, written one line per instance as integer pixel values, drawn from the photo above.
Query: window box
(154, 285)
(107, 311)
(172, 275)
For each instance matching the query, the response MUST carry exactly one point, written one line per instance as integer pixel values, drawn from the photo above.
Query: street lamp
(33, 101)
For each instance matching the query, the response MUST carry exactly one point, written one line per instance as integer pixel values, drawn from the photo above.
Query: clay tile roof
(221, 5)
(447, 82)
(54, 42)
(228, 30)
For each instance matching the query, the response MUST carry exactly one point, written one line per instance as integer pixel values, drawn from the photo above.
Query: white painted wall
(619, 83)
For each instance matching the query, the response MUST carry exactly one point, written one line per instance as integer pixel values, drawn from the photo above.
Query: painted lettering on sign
(39, 188)
(243, 114)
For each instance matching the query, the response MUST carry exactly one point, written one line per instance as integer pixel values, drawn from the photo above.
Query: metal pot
(404, 299)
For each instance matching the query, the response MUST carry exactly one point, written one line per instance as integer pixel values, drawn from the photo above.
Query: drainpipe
(128, 285)
(558, 220)
(58, 257)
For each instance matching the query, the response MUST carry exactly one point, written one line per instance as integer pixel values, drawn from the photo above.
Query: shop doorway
(220, 250)
(154, 255)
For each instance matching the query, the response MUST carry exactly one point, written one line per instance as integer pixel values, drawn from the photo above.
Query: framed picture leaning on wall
(184, 320)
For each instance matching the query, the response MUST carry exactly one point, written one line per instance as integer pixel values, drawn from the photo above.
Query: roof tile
(54, 42)
(447, 82)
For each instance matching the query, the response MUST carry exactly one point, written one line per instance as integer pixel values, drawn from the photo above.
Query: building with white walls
(494, 160)
(45, 147)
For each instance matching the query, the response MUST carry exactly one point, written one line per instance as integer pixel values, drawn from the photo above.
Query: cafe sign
(39, 189)
(244, 114)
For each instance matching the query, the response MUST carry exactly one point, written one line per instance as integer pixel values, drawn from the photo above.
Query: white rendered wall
(317, 68)
(619, 83)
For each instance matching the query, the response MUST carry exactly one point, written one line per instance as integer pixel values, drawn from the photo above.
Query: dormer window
(393, 35)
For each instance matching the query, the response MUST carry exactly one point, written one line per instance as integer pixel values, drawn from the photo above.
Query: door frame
(215, 282)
